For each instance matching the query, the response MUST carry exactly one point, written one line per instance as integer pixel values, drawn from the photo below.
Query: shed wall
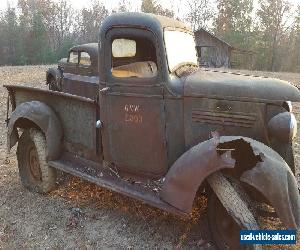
(218, 52)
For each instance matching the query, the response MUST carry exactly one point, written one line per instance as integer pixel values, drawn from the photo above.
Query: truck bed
(78, 116)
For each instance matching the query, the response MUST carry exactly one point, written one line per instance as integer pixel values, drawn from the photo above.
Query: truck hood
(208, 83)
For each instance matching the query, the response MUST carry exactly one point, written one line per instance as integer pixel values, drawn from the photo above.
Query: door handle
(104, 90)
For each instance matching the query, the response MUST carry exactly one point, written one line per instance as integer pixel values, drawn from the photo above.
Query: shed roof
(238, 50)
(202, 30)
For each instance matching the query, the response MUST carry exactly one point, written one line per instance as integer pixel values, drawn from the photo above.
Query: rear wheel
(34, 171)
(229, 211)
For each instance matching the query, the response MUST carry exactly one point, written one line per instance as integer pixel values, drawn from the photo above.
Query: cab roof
(91, 48)
(143, 20)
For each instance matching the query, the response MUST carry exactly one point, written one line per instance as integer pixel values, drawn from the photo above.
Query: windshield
(180, 47)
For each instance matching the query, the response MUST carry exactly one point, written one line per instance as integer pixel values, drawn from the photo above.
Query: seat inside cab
(133, 58)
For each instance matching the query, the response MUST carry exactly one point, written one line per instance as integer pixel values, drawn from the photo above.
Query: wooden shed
(214, 52)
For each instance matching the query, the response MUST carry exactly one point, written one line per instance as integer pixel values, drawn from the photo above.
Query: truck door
(132, 108)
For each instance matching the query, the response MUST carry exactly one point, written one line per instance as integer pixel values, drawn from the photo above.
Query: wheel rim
(34, 164)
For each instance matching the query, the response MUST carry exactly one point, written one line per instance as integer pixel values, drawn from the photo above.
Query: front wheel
(228, 212)
(53, 84)
(34, 171)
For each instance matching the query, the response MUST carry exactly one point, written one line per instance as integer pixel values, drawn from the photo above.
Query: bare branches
(200, 13)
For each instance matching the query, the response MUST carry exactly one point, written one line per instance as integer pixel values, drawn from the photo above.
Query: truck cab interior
(133, 57)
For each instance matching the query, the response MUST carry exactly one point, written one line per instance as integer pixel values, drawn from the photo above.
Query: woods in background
(42, 31)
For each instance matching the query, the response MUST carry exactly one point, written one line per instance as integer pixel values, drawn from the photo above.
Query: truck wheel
(290, 158)
(228, 213)
(35, 174)
(286, 151)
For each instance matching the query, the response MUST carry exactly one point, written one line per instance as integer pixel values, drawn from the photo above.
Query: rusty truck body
(158, 118)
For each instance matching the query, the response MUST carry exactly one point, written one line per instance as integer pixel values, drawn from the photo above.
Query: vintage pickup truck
(77, 74)
(161, 130)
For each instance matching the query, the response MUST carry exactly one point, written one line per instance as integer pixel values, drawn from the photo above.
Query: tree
(9, 38)
(125, 6)
(233, 21)
(273, 16)
(34, 19)
(151, 6)
(90, 21)
(200, 13)
(38, 47)
(293, 45)
(60, 24)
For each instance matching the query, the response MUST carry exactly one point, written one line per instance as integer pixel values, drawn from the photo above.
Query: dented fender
(264, 169)
(43, 117)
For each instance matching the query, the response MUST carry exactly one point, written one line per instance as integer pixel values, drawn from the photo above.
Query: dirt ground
(80, 215)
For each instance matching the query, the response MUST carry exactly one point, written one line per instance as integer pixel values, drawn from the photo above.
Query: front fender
(190, 170)
(265, 170)
(43, 117)
(54, 72)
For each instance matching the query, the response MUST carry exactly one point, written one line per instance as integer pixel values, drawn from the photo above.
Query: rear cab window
(133, 58)
(73, 57)
(85, 59)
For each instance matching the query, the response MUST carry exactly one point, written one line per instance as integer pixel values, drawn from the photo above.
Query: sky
(111, 4)
(78, 4)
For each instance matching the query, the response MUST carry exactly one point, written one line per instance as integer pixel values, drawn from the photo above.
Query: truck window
(123, 48)
(85, 59)
(73, 57)
(133, 58)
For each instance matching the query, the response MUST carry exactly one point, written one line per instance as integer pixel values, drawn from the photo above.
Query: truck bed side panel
(78, 117)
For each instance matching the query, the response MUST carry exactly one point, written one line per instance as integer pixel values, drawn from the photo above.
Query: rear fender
(41, 116)
(257, 164)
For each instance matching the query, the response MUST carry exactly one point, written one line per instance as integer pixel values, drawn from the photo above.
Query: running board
(97, 174)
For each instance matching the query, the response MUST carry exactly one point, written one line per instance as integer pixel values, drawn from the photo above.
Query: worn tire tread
(48, 173)
(235, 202)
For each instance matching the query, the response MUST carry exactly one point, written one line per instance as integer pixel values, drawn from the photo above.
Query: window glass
(73, 57)
(85, 59)
(180, 47)
(133, 58)
(123, 48)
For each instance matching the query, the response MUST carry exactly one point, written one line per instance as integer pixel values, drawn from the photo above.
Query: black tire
(286, 150)
(225, 223)
(290, 158)
(35, 174)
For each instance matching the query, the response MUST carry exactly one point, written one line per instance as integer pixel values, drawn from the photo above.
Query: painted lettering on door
(132, 113)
